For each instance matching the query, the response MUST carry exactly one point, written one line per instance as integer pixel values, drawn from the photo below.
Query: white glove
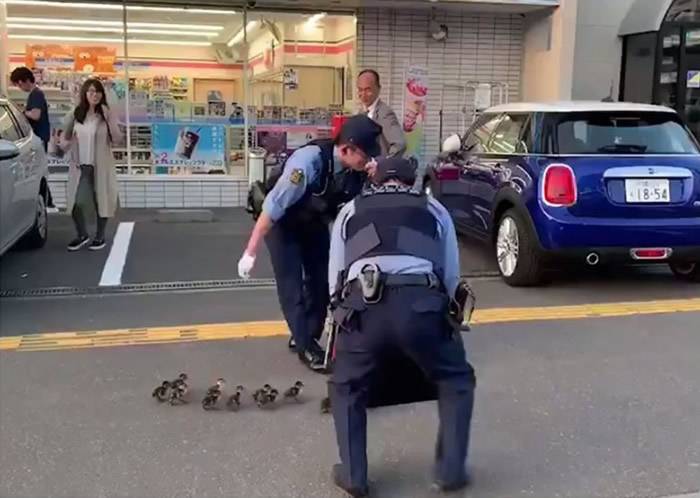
(245, 265)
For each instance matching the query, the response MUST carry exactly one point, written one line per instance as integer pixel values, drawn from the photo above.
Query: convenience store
(190, 82)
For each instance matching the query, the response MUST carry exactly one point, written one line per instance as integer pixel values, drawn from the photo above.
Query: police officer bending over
(295, 217)
(397, 256)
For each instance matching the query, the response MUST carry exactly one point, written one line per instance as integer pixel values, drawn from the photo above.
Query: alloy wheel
(507, 246)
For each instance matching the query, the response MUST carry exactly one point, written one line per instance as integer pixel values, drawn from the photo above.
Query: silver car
(23, 182)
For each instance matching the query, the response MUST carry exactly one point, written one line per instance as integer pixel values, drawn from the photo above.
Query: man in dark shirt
(36, 110)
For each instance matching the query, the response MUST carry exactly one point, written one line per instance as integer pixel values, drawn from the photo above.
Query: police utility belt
(371, 283)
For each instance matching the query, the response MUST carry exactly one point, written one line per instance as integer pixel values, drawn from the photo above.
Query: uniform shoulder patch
(297, 176)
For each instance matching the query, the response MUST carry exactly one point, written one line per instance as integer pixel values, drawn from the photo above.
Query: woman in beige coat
(89, 132)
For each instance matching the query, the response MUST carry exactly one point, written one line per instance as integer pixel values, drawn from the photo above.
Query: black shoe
(442, 487)
(78, 243)
(312, 360)
(339, 481)
(292, 345)
(97, 244)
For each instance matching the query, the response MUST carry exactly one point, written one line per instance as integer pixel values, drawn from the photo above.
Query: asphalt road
(594, 408)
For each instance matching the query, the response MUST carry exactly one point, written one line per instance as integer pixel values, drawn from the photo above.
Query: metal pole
(127, 98)
(245, 94)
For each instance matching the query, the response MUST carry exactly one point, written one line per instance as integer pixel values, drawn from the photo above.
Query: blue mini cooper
(587, 182)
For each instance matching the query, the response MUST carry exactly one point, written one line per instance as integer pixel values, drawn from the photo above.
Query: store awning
(645, 16)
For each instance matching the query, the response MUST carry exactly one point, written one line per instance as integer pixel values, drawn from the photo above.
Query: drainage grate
(139, 288)
(153, 287)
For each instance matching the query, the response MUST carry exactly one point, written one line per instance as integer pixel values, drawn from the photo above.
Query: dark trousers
(300, 262)
(86, 201)
(412, 320)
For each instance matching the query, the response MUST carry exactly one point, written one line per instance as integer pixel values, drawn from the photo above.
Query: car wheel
(519, 258)
(689, 272)
(39, 233)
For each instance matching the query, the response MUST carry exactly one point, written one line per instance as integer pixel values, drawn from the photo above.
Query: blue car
(584, 182)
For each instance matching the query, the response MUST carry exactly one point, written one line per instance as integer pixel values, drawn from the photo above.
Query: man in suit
(393, 142)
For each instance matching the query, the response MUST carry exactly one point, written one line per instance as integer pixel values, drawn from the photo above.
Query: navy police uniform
(303, 201)
(411, 240)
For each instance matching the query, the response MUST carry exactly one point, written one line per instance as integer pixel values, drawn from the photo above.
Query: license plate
(651, 191)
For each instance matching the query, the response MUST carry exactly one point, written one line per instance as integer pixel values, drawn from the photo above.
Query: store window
(183, 82)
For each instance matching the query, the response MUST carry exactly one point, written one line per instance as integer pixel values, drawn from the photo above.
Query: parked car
(23, 182)
(588, 182)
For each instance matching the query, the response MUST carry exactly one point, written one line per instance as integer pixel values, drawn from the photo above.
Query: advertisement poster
(197, 148)
(414, 106)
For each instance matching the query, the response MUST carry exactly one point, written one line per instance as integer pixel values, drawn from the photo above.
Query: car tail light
(559, 186)
(448, 173)
(651, 253)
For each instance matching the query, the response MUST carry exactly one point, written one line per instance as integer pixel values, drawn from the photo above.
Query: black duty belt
(406, 280)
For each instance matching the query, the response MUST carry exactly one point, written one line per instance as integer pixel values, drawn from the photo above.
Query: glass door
(690, 94)
(667, 84)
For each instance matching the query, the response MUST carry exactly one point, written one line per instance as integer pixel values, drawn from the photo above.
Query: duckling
(161, 392)
(213, 394)
(295, 391)
(234, 402)
(178, 389)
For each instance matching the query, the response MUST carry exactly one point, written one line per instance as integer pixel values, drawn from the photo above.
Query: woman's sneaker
(77, 244)
(97, 244)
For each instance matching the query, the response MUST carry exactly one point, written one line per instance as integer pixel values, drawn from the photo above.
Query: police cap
(395, 168)
(361, 132)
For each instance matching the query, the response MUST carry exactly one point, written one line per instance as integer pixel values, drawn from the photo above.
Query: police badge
(297, 176)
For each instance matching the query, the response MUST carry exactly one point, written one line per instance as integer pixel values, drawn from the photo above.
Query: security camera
(251, 4)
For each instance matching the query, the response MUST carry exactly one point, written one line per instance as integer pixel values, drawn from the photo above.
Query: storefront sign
(94, 59)
(414, 106)
(194, 147)
(53, 57)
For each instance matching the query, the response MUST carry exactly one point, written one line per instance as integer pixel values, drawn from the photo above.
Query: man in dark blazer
(393, 142)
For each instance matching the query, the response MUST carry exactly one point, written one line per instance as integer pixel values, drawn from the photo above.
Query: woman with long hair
(89, 132)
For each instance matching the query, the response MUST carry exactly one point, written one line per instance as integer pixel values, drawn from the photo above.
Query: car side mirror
(8, 150)
(452, 144)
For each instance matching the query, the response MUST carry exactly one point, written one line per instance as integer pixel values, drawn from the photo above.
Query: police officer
(294, 222)
(396, 252)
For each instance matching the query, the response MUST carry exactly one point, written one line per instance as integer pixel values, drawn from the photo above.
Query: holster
(371, 283)
(461, 307)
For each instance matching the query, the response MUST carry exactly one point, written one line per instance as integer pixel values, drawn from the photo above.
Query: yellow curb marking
(242, 330)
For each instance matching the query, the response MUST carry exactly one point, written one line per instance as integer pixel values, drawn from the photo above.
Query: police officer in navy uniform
(394, 274)
(315, 180)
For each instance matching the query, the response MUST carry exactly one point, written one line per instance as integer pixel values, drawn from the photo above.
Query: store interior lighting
(116, 6)
(108, 40)
(112, 29)
(93, 22)
(238, 37)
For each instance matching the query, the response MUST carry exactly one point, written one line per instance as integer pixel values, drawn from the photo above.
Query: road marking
(114, 266)
(273, 328)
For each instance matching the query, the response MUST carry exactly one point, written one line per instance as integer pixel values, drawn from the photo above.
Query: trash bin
(256, 165)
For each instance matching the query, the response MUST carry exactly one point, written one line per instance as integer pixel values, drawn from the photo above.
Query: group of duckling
(174, 392)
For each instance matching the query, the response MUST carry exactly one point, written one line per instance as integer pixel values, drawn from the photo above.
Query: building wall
(598, 52)
(483, 47)
(548, 60)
